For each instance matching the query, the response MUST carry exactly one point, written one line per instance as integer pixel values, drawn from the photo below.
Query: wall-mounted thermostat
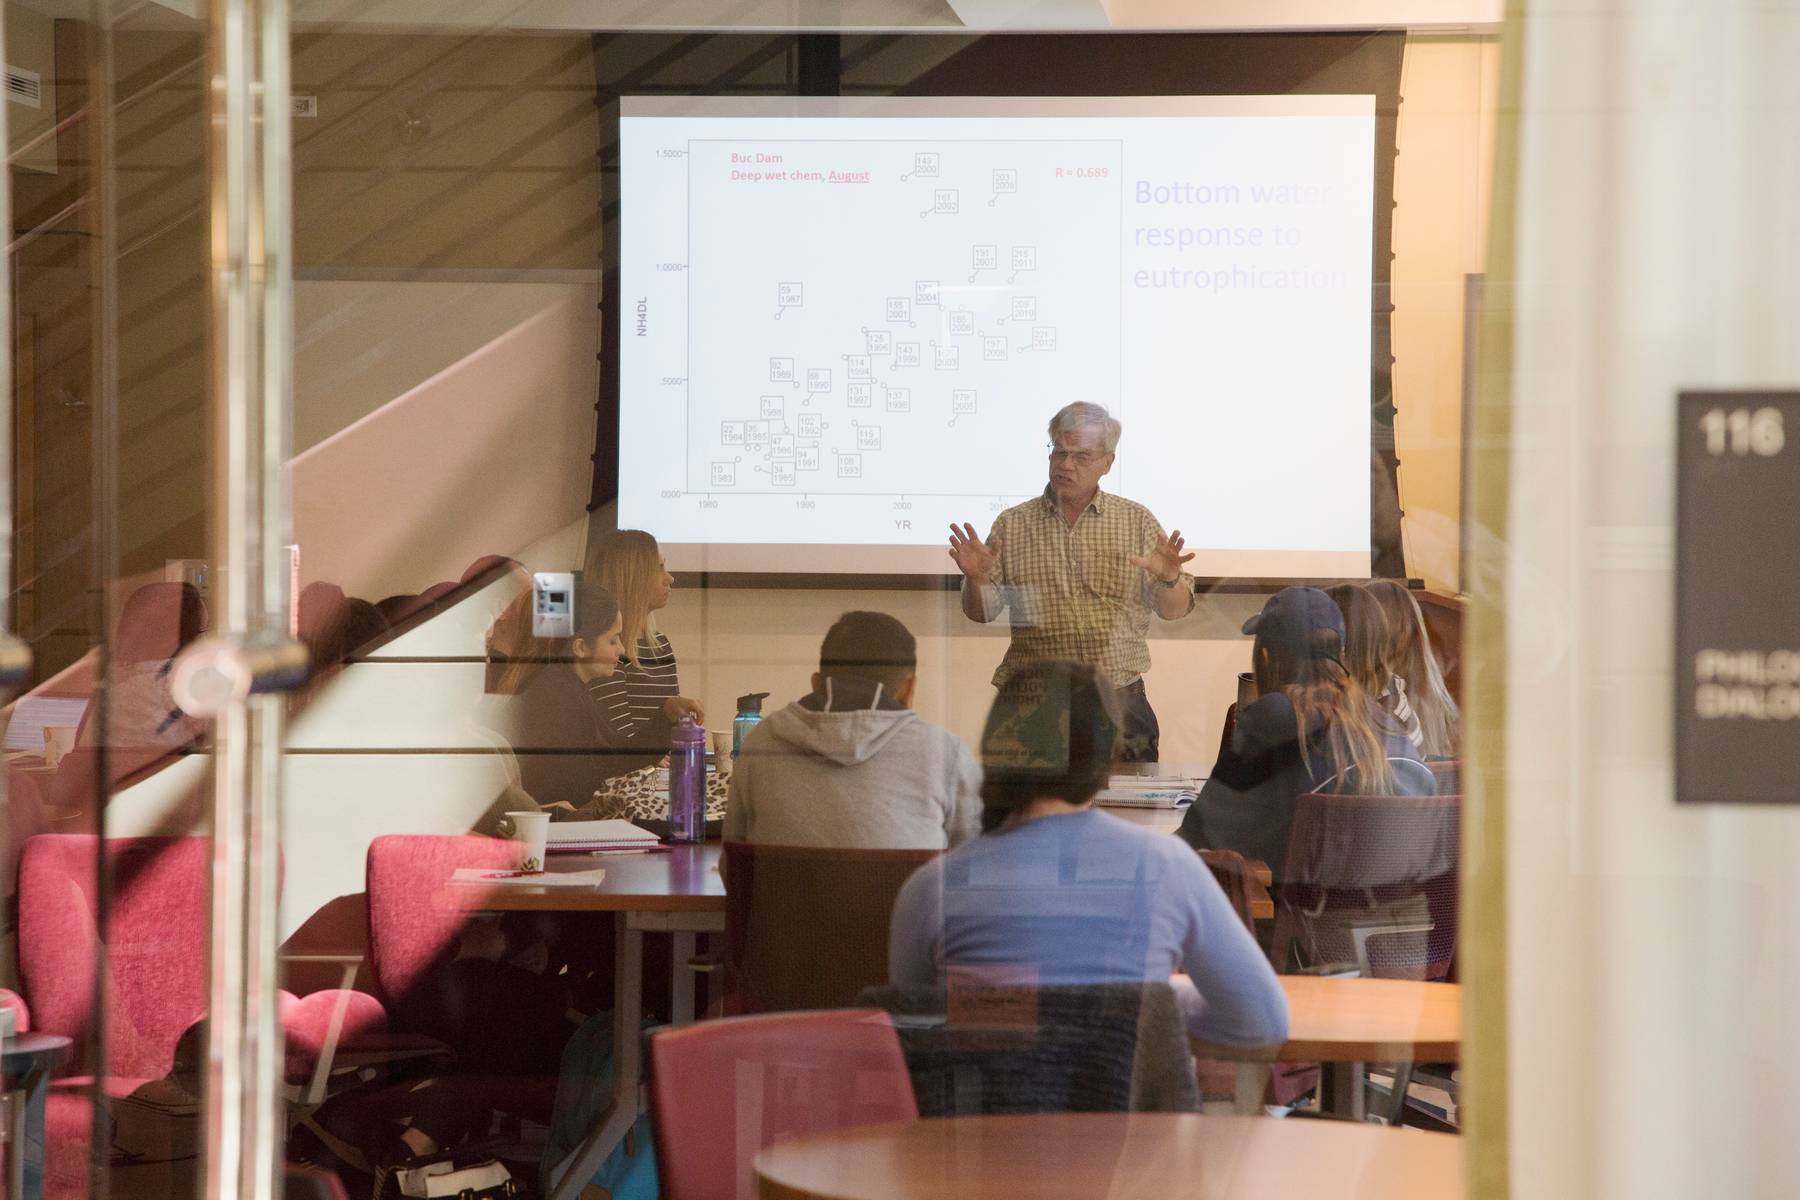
(553, 604)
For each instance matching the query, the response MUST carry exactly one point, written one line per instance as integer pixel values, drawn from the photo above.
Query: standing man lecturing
(1081, 572)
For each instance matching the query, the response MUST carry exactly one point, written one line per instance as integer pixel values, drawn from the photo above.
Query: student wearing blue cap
(1312, 728)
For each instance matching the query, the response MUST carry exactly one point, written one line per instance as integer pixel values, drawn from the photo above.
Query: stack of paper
(580, 837)
(488, 877)
(1148, 791)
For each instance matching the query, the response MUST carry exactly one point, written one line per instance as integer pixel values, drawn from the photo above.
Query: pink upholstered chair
(156, 979)
(791, 1073)
(413, 940)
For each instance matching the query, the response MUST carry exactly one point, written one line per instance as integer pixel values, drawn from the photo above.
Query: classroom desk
(1121, 1156)
(1351, 1022)
(678, 891)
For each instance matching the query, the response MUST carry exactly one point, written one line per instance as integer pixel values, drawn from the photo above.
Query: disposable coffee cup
(58, 741)
(721, 747)
(528, 830)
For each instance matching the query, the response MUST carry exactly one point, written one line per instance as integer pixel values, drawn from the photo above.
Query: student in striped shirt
(641, 701)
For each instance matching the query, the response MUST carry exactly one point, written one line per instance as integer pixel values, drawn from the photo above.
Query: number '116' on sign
(1743, 431)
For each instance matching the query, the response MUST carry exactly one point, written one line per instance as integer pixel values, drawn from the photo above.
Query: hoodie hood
(827, 726)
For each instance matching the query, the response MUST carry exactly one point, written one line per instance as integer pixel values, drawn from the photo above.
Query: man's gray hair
(1081, 415)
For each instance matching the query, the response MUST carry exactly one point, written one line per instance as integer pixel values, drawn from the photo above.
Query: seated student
(1312, 728)
(642, 700)
(1408, 658)
(1054, 892)
(1366, 642)
(851, 765)
(557, 713)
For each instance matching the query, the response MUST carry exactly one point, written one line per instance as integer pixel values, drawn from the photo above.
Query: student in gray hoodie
(851, 765)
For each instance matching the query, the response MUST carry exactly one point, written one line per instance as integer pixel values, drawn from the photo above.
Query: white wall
(1653, 951)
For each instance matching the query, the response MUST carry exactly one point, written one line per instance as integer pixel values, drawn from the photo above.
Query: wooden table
(677, 891)
(1352, 1021)
(1118, 1156)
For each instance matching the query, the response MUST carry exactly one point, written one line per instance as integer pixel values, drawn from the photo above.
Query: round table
(1343, 1023)
(1120, 1156)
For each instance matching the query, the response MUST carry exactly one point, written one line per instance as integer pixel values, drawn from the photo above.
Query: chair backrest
(1233, 874)
(156, 940)
(1372, 880)
(409, 931)
(982, 1049)
(720, 1091)
(807, 927)
(1448, 772)
(156, 621)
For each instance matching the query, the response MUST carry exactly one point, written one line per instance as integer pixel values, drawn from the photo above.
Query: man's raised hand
(1165, 559)
(975, 558)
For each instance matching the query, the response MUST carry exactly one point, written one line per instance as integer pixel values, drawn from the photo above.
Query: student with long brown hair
(1311, 728)
(1408, 657)
(642, 700)
(1368, 637)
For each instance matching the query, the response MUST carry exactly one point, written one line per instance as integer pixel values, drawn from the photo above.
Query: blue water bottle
(687, 782)
(748, 714)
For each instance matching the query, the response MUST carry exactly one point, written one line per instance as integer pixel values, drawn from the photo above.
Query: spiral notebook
(578, 837)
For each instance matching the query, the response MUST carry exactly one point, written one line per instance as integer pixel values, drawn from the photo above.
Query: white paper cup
(528, 830)
(58, 741)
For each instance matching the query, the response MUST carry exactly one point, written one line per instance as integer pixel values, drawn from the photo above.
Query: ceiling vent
(24, 87)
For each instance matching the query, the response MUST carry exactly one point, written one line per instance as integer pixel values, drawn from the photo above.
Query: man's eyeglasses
(1081, 458)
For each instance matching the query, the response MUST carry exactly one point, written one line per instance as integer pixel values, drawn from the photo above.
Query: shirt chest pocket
(1104, 570)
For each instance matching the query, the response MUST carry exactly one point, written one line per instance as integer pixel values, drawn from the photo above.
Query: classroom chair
(156, 991)
(807, 927)
(1371, 880)
(1233, 874)
(720, 1091)
(976, 1049)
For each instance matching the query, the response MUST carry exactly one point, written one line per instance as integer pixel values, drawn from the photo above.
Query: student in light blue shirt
(1054, 892)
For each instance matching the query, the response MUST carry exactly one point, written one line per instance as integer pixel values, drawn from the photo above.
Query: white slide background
(844, 323)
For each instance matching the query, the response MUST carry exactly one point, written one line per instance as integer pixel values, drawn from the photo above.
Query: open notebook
(573, 837)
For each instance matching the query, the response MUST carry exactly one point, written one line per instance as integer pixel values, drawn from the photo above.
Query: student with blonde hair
(1408, 657)
(642, 700)
(1367, 637)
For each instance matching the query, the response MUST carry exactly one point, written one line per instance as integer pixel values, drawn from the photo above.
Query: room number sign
(1737, 598)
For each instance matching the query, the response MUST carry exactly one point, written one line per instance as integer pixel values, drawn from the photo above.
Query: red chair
(492, 1016)
(156, 976)
(720, 1091)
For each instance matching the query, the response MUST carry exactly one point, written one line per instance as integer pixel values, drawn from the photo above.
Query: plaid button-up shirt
(1071, 589)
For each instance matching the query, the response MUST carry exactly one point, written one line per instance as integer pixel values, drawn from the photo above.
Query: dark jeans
(1141, 734)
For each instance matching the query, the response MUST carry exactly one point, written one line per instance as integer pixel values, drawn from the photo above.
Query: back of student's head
(1299, 651)
(869, 648)
(1407, 653)
(596, 610)
(1053, 733)
(1365, 635)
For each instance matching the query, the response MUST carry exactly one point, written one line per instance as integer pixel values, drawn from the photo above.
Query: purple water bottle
(687, 782)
